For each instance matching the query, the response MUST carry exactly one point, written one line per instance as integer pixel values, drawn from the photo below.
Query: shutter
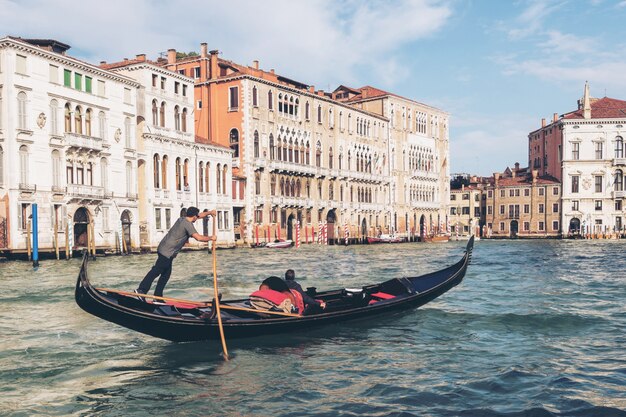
(67, 78)
(19, 216)
(88, 84)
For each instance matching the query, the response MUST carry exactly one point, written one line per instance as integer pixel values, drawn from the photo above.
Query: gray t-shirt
(176, 238)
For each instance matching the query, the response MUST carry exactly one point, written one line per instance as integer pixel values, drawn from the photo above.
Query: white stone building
(67, 143)
(175, 172)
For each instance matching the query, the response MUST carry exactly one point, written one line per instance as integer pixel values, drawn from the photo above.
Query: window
(20, 64)
(555, 225)
(502, 226)
(104, 174)
(511, 193)
(56, 168)
(127, 134)
(88, 114)
(157, 218)
(619, 147)
(465, 210)
(177, 169)
(598, 183)
(575, 151)
(501, 208)
(155, 113)
(78, 120)
(258, 216)
(54, 74)
(22, 116)
(270, 100)
(526, 226)
(541, 208)
(598, 205)
(101, 88)
(156, 164)
(233, 98)
(575, 183)
(183, 120)
(67, 78)
(163, 83)
(23, 215)
(24, 164)
(618, 184)
(176, 118)
(541, 191)
(255, 96)
(555, 190)
(555, 207)
(489, 210)
(196, 72)
(78, 81)
(88, 82)
(176, 87)
(490, 194)
(575, 205)
(526, 208)
(257, 183)
(256, 144)
(453, 197)
(168, 218)
(234, 142)
(129, 178)
(541, 226)
(502, 193)
(319, 114)
(598, 149)
(618, 203)
(184, 90)
(162, 115)
(102, 124)
(54, 110)
(155, 80)
(127, 95)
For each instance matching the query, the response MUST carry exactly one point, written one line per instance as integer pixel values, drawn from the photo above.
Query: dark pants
(163, 267)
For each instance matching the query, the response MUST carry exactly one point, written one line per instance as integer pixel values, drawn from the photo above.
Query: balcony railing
(76, 140)
(87, 191)
(31, 188)
(131, 196)
(619, 194)
(619, 161)
(58, 190)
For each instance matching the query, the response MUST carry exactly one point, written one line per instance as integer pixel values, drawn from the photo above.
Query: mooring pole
(35, 237)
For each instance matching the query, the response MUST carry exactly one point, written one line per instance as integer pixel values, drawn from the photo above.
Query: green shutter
(67, 78)
(78, 81)
(88, 84)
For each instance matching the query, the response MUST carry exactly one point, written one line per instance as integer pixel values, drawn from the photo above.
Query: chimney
(141, 57)
(543, 122)
(203, 50)
(535, 173)
(320, 93)
(171, 56)
(214, 66)
(555, 117)
(272, 71)
(496, 176)
(255, 64)
(103, 62)
(312, 89)
(517, 166)
(586, 103)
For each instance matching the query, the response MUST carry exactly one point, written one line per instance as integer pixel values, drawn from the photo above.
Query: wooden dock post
(56, 239)
(28, 225)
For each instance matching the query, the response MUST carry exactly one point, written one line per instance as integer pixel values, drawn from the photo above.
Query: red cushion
(383, 295)
(275, 297)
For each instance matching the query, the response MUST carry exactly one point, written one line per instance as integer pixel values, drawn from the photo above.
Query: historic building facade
(67, 143)
(365, 166)
(585, 148)
(465, 211)
(174, 171)
(522, 204)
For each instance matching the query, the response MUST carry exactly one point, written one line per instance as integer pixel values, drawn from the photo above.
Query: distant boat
(436, 238)
(279, 244)
(384, 239)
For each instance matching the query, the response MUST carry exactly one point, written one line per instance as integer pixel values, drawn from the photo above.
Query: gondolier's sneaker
(139, 297)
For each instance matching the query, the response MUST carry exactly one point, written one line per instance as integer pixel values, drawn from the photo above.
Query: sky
(497, 67)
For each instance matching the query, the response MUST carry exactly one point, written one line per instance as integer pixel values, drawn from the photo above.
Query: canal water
(537, 328)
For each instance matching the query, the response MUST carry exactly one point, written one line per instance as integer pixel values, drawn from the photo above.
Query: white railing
(83, 141)
(86, 191)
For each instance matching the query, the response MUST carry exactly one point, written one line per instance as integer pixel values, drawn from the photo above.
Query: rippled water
(537, 328)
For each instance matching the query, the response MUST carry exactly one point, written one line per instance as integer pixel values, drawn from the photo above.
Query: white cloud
(531, 20)
(315, 41)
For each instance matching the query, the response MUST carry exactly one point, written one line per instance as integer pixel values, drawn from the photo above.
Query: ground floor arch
(514, 228)
(331, 219)
(574, 226)
(126, 220)
(81, 221)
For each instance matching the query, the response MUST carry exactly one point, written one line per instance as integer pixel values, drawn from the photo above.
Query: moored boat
(184, 320)
(279, 244)
(384, 239)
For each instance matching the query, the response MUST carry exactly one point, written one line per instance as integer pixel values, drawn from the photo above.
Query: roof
(526, 180)
(602, 108)
(125, 63)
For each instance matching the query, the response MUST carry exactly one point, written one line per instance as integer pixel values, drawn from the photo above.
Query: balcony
(27, 188)
(619, 194)
(131, 196)
(292, 168)
(619, 161)
(74, 140)
(260, 163)
(58, 190)
(87, 192)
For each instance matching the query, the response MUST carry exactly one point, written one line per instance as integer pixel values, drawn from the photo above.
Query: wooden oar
(197, 303)
(217, 298)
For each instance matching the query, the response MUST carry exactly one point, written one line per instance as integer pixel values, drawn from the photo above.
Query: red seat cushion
(383, 295)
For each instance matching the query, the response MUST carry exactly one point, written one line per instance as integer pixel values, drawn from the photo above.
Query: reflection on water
(536, 328)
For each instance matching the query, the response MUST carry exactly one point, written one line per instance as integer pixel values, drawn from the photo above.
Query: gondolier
(169, 247)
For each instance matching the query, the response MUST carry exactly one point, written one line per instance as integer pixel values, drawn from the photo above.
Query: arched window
(104, 177)
(162, 114)
(296, 109)
(155, 113)
(319, 114)
(186, 175)
(102, 125)
(307, 111)
(68, 118)
(271, 147)
(164, 172)
(255, 98)
(218, 178)
(285, 150)
(282, 186)
(330, 157)
(619, 147)
(56, 168)
(296, 153)
(619, 180)
(176, 118)
(54, 124)
(156, 164)
(183, 121)
(207, 180)
(256, 143)
(298, 185)
(201, 177)
(257, 183)
(308, 153)
(22, 116)
(318, 154)
(273, 184)
(24, 164)
(234, 142)
(224, 180)
(88, 114)
(270, 100)
(290, 151)
(178, 167)
(78, 120)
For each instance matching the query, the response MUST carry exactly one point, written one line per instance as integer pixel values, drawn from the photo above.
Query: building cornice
(66, 60)
(153, 68)
(189, 144)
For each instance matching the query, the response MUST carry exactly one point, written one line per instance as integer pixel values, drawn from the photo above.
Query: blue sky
(497, 67)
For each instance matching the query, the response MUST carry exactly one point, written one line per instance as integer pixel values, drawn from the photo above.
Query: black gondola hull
(138, 315)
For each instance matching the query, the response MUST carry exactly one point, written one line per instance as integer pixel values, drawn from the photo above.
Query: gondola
(185, 321)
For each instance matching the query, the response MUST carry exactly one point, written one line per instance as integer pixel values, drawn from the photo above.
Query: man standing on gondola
(169, 247)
